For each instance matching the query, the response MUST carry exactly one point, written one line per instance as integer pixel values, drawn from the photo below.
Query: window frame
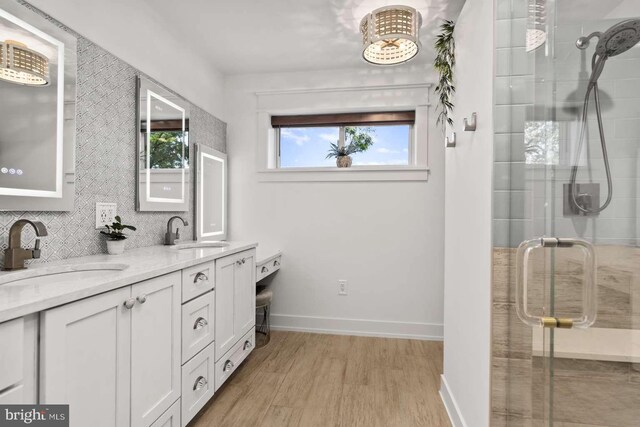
(342, 121)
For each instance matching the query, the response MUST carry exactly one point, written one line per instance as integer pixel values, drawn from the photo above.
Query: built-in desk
(268, 261)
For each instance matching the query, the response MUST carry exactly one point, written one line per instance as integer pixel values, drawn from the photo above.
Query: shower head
(619, 38)
(616, 40)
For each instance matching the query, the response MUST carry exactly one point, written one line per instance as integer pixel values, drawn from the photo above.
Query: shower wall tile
(628, 88)
(508, 9)
(627, 128)
(105, 161)
(510, 118)
(511, 204)
(511, 33)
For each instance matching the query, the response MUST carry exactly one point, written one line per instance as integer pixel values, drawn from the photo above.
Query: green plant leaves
(444, 64)
(114, 231)
(359, 140)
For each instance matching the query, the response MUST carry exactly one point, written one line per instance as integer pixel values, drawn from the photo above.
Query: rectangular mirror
(38, 68)
(211, 194)
(163, 150)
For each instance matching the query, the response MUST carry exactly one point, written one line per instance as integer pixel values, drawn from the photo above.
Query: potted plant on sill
(116, 236)
(342, 154)
(359, 141)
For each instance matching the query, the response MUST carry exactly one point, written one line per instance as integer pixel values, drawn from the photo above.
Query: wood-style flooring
(302, 379)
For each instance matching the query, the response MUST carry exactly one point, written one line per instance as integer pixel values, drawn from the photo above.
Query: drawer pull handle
(200, 277)
(264, 270)
(201, 322)
(200, 382)
(276, 263)
(142, 298)
(247, 344)
(228, 365)
(129, 303)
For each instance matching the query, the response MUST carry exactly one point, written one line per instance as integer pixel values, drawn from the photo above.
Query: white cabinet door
(245, 289)
(85, 359)
(235, 299)
(226, 334)
(155, 348)
(18, 360)
(171, 418)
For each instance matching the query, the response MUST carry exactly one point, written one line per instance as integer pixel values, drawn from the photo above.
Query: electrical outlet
(342, 287)
(105, 214)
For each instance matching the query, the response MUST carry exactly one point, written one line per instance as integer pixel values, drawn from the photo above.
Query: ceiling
(253, 36)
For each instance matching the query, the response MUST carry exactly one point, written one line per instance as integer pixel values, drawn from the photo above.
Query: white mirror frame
(62, 198)
(202, 153)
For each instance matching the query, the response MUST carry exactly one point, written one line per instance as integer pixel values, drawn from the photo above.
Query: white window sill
(354, 173)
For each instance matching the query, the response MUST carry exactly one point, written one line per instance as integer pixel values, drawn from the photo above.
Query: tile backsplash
(105, 162)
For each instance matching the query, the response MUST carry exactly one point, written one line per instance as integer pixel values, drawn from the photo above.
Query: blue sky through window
(308, 147)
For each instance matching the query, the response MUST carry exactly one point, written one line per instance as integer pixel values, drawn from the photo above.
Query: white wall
(132, 31)
(467, 304)
(385, 238)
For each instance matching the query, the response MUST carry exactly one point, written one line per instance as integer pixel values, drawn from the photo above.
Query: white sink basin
(203, 244)
(66, 271)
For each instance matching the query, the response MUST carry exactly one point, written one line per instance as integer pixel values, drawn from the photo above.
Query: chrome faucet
(14, 255)
(170, 237)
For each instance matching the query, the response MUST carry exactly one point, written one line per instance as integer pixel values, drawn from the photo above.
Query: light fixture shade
(390, 35)
(21, 65)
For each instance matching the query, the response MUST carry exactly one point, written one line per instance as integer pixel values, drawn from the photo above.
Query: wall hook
(451, 142)
(471, 127)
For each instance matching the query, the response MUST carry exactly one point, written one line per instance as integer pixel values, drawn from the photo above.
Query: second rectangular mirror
(211, 194)
(163, 150)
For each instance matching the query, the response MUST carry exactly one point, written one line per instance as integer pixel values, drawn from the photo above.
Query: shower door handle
(589, 288)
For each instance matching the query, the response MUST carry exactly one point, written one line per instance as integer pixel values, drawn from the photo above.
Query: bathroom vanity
(141, 339)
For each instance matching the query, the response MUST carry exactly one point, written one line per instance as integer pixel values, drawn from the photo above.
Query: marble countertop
(28, 296)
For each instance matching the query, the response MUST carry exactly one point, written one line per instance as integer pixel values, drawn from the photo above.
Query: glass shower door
(573, 106)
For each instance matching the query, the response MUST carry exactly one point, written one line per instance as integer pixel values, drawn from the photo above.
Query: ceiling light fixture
(21, 65)
(390, 35)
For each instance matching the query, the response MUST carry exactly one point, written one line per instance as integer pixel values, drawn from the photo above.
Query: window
(379, 139)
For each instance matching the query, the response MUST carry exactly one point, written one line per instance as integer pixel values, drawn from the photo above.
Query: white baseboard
(450, 404)
(373, 328)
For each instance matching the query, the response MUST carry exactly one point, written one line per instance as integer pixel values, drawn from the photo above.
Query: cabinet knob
(265, 269)
(200, 277)
(228, 365)
(276, 263)
(200, 382)
(142, 298)
(247, 345)
(129, 303)
(200, 323)
(239, 262)
(243, 260)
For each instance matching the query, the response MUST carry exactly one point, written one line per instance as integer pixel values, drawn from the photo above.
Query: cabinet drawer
(234, 357)
(197, 325)
(197, 280)
(265, 269)
(197, 383)
(170, 418)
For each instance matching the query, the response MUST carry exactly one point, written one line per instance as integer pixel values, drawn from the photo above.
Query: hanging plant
(444, 63)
